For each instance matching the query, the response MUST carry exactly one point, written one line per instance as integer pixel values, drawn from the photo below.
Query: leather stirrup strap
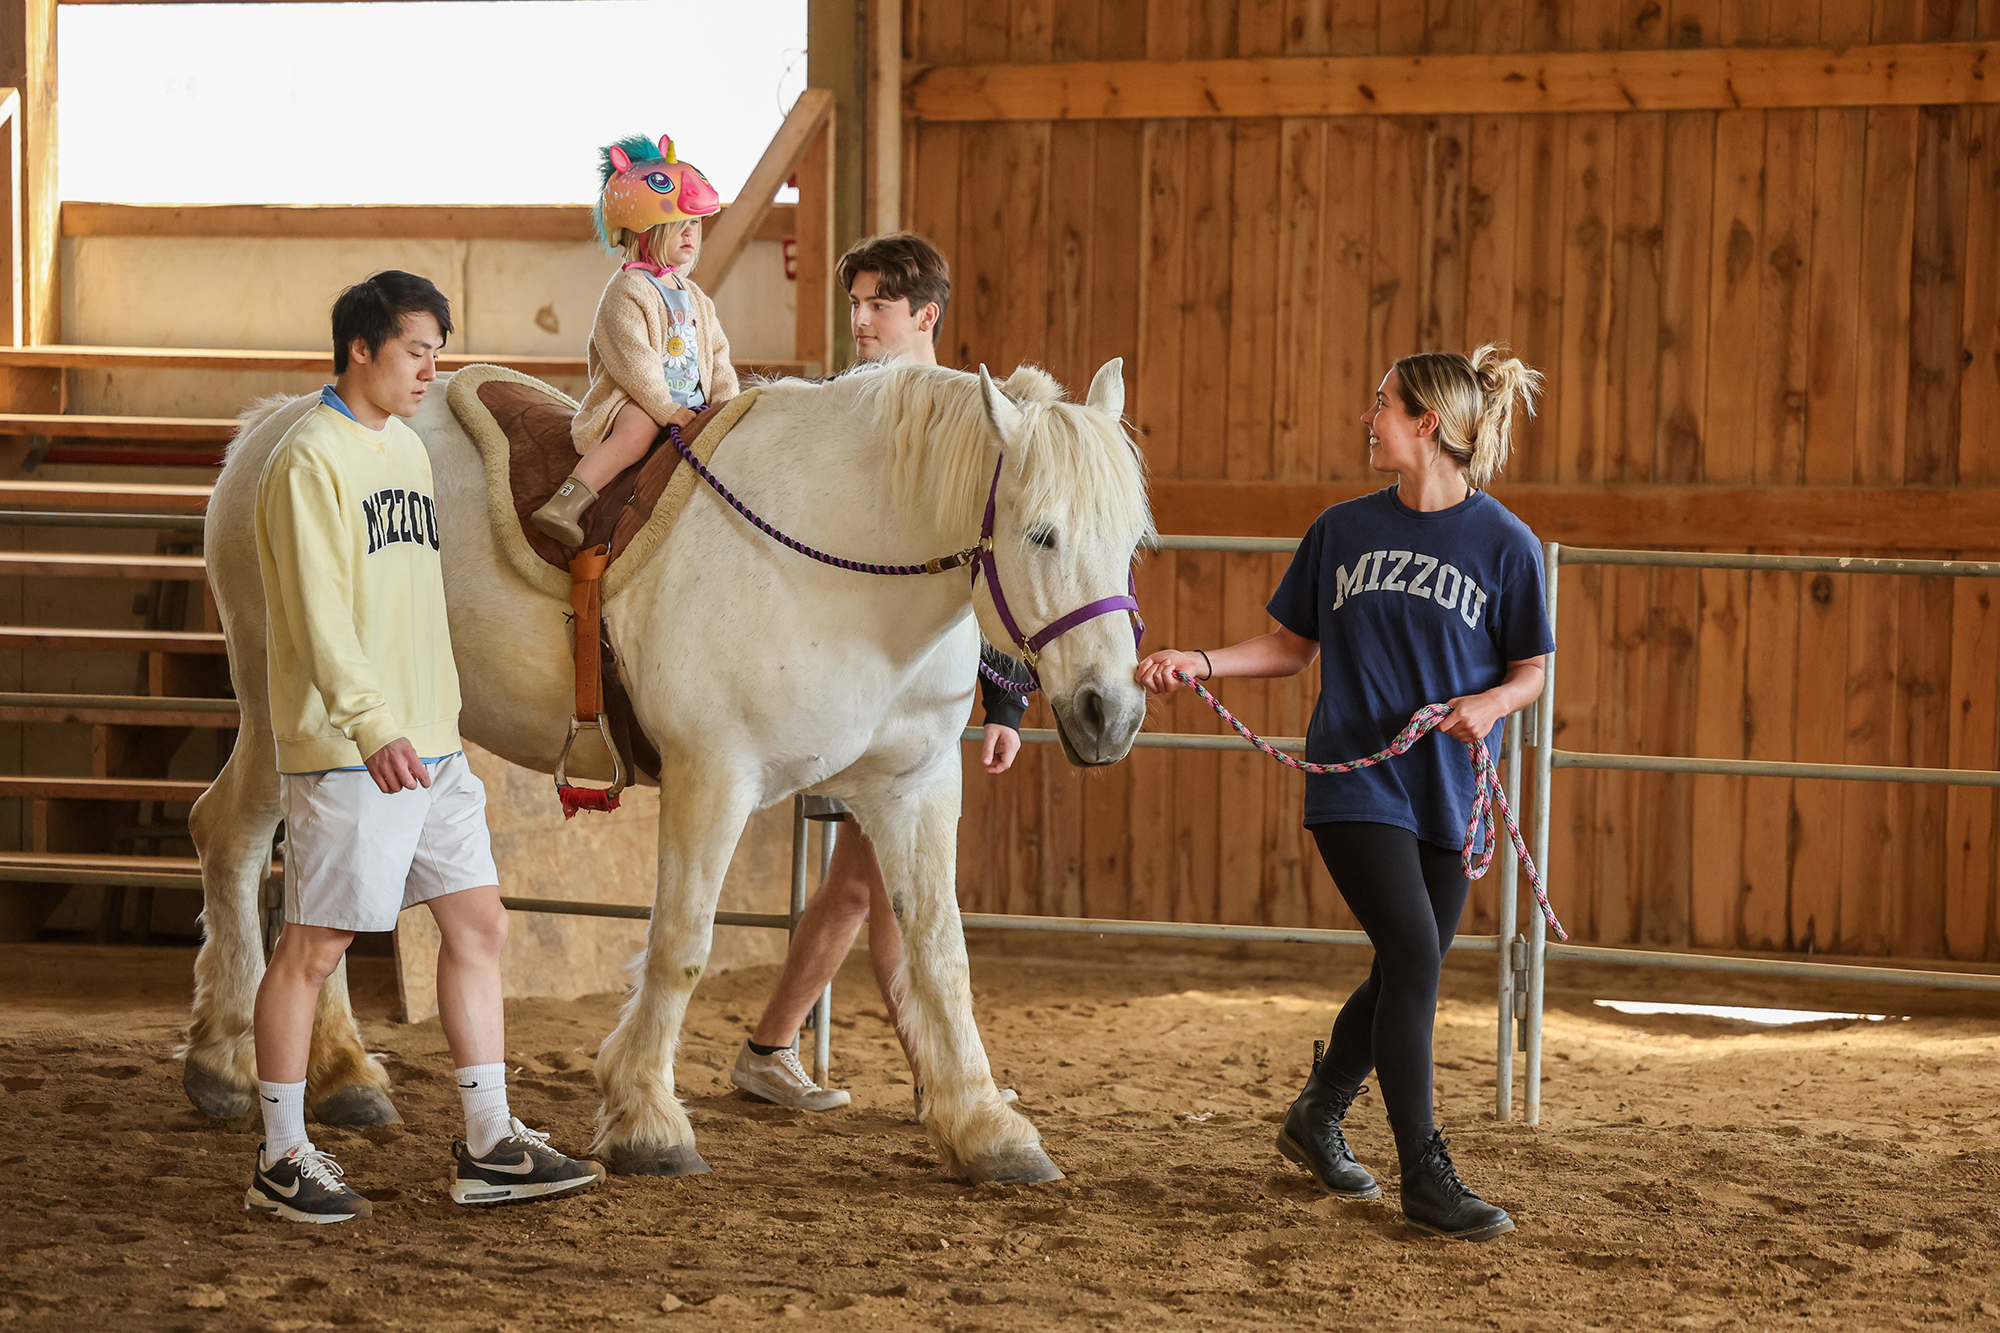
(586, 572)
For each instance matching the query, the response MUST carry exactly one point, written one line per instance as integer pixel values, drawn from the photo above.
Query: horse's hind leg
(232, 825)
(979, 1136)
(344, 1086)
(642, 1129)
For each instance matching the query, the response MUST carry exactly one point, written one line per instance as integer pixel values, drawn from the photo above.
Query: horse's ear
(620, 159)
(667, 149)
(1107, 388)
(1000, 409)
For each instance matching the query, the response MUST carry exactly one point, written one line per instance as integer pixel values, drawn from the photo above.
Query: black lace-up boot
(1437, 1203)
(1313, 1138)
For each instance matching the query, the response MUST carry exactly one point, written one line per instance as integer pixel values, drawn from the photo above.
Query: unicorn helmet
(646, 185)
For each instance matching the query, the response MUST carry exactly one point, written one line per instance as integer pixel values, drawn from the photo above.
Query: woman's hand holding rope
(1163, 672)
(1474, 714)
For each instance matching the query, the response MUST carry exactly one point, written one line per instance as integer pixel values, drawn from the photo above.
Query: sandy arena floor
(1689, 1173)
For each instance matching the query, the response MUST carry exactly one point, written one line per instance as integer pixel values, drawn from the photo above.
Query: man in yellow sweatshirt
(381, 811)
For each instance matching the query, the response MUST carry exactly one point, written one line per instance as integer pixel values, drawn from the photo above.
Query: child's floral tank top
(682, 362)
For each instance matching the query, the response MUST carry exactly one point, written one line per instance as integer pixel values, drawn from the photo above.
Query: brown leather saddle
(540, 455)
(536, 424)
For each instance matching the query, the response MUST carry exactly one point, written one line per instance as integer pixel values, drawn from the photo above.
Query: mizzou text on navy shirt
(1409, 609)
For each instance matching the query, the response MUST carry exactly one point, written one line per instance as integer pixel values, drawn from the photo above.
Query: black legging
(1408, 895)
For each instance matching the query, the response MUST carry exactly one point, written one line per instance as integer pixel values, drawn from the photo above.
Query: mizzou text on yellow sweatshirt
(360, 651)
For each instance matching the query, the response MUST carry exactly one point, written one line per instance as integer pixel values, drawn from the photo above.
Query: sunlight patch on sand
(1769, 1017)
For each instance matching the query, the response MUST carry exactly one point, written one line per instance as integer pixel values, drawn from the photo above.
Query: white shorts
(355, 856)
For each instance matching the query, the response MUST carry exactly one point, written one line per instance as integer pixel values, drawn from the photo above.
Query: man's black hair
(373, 311)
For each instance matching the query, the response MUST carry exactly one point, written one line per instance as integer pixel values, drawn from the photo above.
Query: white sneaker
(779, 1077)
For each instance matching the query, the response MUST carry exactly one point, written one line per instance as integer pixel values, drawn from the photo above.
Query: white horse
(759, 673)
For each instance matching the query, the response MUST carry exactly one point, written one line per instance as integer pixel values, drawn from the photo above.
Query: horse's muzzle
(1098, 724)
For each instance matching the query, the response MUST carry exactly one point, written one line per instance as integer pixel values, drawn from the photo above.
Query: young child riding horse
(657, 351)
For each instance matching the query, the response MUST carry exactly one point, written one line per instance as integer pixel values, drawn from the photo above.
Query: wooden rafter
(10, 113)
(884, 138)
(28, 63)
(810, 115)
(1710, 78)
(402, 222)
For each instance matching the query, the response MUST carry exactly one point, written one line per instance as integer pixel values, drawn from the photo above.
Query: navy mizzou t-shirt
(1409, 609)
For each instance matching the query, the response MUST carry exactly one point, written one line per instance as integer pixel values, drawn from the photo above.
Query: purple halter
(1029, 646)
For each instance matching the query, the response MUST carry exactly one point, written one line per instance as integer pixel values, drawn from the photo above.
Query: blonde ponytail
(1474, 401)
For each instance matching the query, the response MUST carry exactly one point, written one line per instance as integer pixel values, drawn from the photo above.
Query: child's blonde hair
(1474, 401)
(630, 242)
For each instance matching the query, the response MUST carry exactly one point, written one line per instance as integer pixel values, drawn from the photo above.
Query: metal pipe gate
(1522, 958)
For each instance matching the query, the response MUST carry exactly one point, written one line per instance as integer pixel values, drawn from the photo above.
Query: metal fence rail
(1548, 759)
(1521, 957)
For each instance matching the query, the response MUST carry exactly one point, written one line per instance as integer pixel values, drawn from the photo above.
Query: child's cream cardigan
(628, 347)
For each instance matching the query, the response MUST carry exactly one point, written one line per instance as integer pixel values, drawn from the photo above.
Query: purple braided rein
(1011, 686)
(956, 560)
(1487, 794)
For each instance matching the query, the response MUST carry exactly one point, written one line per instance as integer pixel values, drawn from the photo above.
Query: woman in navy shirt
(1426, 591)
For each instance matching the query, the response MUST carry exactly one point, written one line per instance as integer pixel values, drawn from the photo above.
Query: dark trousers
(1408, 895)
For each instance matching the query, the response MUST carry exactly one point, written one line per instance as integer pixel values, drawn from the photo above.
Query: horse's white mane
(1070, 463)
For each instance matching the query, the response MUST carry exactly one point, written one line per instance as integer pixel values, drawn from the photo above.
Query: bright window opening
(428, 103)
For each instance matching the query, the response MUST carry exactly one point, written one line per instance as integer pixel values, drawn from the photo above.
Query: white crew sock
(284, 1117)
(482, 1090)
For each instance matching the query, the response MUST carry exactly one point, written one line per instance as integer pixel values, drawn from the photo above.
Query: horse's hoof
(636, 1160)
(211, 1095)
(354, 1107)
(1015, 1166)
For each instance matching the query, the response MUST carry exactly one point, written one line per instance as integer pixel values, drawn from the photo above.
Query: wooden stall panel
(1799, 298)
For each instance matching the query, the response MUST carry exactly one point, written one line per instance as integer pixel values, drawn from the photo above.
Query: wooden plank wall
(1772, 298)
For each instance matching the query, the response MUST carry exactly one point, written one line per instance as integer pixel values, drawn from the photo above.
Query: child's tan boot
(558, 518)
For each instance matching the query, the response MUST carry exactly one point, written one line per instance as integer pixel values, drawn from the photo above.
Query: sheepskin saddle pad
(521, 428)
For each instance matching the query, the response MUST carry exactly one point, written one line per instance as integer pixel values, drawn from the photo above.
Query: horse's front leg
(642, 1129)
(979, 1136)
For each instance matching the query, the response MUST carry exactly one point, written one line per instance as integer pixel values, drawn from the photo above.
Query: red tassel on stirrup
(600, 799)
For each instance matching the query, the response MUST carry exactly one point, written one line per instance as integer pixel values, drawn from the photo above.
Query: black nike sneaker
(303, 1186)
(521, 1166)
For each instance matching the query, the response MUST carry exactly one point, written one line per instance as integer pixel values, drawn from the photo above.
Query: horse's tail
(255, 415)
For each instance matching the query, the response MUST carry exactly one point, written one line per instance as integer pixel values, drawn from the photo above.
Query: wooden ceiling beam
(787, 149)
(401, 222)
(1703, 79)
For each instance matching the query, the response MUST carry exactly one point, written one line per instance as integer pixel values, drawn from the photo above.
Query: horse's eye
(1043, 537)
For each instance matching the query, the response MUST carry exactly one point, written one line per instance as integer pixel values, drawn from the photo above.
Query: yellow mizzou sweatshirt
(347, 538)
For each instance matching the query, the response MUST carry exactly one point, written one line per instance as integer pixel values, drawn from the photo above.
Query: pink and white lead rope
(1487, 793)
